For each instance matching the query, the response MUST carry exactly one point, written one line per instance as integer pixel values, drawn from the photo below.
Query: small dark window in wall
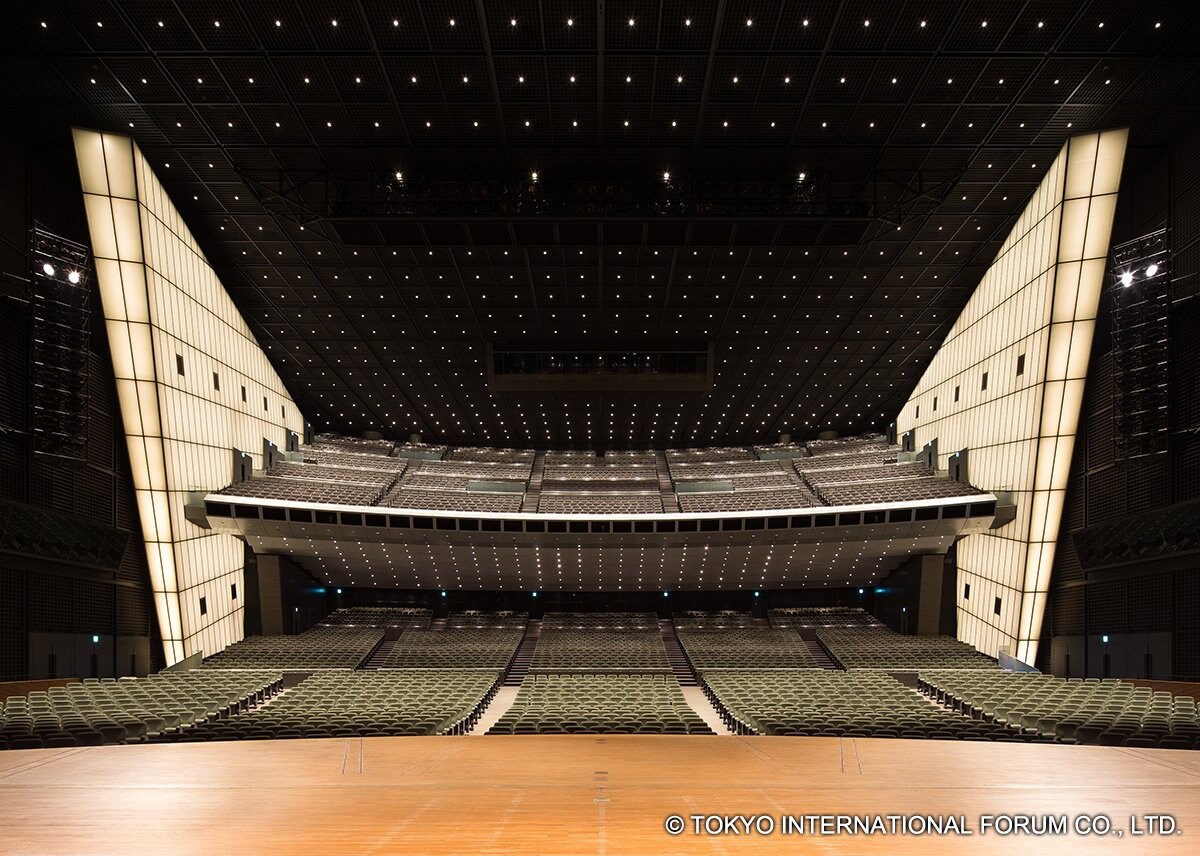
(956, 394)
(1021, 364)
(984, 385)
(216, 382)
(179, 364)
(264, 402)
(282, 412)
(233, 590)
(918, 411)
(966, 591)
(996, 607)
(935, 404)
(204, 606)
(243, 393)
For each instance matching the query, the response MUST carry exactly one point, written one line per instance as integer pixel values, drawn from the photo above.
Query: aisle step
(676, 657)
(379, 654)
(523, 658)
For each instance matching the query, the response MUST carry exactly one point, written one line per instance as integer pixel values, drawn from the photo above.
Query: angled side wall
(192, 384)
(1028, 330)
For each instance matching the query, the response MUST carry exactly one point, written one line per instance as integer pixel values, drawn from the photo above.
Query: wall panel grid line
(1038, 300)
(163, 301)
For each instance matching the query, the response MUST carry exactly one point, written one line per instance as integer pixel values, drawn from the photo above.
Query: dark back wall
(58, 602)
(1157, 597)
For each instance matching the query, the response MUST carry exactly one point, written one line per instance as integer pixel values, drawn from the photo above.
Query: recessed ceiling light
(922, 23)
(513, 22)
(749, 22)
(570, 22)
(452, 22)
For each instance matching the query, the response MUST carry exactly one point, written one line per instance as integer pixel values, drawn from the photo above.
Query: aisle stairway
(519, 667)
(666, 487)
(378, 655)
(533, 490)
(675, 656)
(824, 660)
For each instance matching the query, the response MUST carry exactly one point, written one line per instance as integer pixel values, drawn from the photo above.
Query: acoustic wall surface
(192, 382)
(1008, 384)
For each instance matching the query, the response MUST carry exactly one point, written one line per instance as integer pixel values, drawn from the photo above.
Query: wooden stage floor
(578, 794)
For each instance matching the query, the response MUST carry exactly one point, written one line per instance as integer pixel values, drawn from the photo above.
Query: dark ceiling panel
(823, 297)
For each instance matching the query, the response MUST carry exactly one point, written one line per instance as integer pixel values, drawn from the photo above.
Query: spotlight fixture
(533, 176)
(1152, 270)
(73, 277)
(666, 176)
(48, 269)
(1127, 279)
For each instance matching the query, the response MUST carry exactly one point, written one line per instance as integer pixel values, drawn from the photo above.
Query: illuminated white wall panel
(1028, 330)
(163, 303)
